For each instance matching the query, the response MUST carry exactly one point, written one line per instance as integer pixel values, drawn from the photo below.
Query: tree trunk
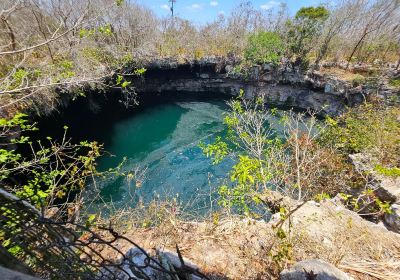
(355, 49)
(386, 52)
(11, 34)
(39, 23)
(322, 52)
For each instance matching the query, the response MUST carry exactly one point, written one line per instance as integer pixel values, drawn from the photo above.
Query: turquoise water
(161, 144)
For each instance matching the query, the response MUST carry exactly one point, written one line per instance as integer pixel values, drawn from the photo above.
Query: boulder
(313, 269)
(268, 77)
(228, 68)
(362, 162)
(328, 222)
(392, 220)
(391, 185)
(329, 88)
(268, 67)
(385, 188)
(255, 72)
(136, 265)
(336, 86)
(172, 262)
(140, 270)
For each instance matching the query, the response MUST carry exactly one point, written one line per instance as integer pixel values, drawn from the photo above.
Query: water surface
(162, 143)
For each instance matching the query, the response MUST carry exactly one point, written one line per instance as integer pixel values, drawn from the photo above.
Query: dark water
(161, 143)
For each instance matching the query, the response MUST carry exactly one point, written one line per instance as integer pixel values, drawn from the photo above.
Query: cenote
(160, 143)
(157, 140)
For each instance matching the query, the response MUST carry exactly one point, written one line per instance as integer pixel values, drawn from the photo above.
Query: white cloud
(221, 13)
(214, 3)
(165, 7)
(195, 6)
(270, 5)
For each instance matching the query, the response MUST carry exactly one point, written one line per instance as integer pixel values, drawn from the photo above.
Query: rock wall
(288, 86)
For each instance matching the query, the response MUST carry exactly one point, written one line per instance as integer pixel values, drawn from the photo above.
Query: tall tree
(373, 16)
(304, 29)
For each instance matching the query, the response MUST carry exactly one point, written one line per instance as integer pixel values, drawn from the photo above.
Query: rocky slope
(234, 248)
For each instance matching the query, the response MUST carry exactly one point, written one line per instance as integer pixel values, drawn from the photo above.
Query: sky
(203, 11)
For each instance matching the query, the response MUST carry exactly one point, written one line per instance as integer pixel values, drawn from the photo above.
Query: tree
(303, 30)
(336, 22)
(65, 44)
(373, 17)
(55, 172)
(274, 151)
(243, 20)
(264, 47)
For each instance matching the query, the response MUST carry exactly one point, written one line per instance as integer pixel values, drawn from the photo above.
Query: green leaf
(125, 84)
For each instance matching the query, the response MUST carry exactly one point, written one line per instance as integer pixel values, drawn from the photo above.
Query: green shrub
(393, 172)
(358, 80)
(370, 129)
(53, 171)
(303, 31)
(265, 159)
(264, 47)
(319, 13)
(395, 82)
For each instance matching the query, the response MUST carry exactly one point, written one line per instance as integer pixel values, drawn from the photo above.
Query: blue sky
(203, 11)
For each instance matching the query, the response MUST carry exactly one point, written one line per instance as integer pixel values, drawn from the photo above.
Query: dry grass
(237, 248)
(341, 237)
(386, 270)
(234, 248)
(340, 73)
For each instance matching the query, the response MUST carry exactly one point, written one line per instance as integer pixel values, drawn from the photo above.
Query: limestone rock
(391, 186)
(8, 274)
(313, 269)
(328, 88)
(144, 270)
(136, 256)
(385, 188)
(326, 221)
(171, 261)
(228, 68)
(267, 77)
(268, 67)
(335, 86)
(255, 72)
(392, 220)
(286, 85)
(361, 162)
